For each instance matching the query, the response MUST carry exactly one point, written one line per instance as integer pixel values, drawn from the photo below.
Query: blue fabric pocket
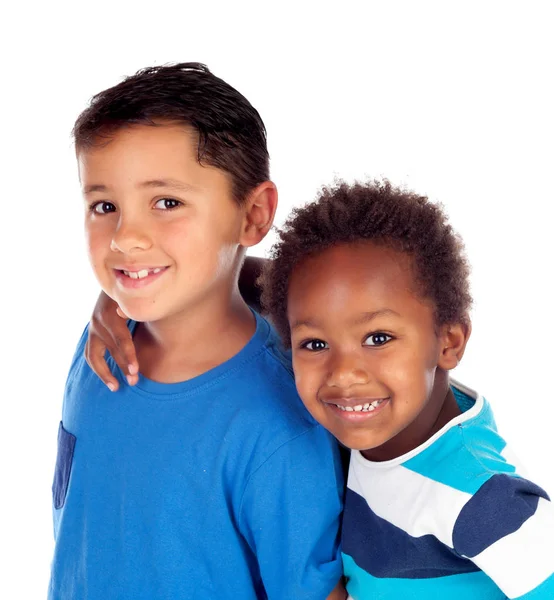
(66, 446)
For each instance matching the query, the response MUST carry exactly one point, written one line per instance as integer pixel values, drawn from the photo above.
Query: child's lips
(137, 278)
(357, 409)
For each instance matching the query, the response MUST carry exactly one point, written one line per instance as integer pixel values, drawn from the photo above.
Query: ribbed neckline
(167, 390)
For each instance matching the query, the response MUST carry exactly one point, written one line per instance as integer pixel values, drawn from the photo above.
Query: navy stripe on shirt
(500, 507)
(384, 550)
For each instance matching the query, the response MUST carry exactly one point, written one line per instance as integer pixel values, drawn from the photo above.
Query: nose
(130, 236)
(346, 370)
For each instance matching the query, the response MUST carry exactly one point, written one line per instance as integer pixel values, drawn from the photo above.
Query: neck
(440, 409)
(196, 340)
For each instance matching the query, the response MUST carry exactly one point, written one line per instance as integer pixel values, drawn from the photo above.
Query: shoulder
(302, 471)
(265, 386)
(84, 390)
(499, 508)
(506, 529)
(465, 454)
(79, 368)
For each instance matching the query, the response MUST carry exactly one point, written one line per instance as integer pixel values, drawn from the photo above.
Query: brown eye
(167, 203)
(101, 208)
(315, 345)
(377, 339)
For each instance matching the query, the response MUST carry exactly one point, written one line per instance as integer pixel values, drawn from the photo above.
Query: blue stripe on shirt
(474, 586)
(544, 590)
(457, 462)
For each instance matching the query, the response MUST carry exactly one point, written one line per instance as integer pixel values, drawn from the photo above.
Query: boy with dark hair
(208, 478)
(369, 286)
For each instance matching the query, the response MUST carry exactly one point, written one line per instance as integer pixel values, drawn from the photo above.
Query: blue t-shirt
(219, 487)
(453, 518)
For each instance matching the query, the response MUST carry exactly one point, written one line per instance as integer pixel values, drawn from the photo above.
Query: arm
(506, 529)
(251, 270)
(108, 331)
(290, 515)
(108, 328)
(339, 593)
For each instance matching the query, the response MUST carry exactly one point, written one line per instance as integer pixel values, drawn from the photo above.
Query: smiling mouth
(367, 407)
(142, 274)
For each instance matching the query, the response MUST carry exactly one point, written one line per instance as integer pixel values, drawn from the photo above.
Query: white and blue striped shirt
(453, 518)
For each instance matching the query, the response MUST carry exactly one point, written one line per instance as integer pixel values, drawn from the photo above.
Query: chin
(142, 314)
(358, 444)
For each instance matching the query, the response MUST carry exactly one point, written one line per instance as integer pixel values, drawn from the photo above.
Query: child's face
(163, 231)
(365, 346)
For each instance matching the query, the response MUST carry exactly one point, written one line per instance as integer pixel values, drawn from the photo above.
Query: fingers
(121, 349)
(108, 331)
(125, 355)
(95, 350)
(121, 313)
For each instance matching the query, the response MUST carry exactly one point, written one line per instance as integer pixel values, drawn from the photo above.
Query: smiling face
(163, 231)
(369, 360)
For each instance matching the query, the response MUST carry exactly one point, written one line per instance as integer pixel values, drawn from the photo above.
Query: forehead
(145, 152)
(136, 140)
(356, 277)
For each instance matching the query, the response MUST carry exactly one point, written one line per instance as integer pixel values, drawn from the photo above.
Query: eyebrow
(364, 318)
(369, 316)
(167, 183)
(152, 183)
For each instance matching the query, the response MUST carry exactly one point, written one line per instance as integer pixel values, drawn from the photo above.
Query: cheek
(194, 237)
(223, 224)
(307, 379)
(407, 370)
(98, 241)
(399, 367)
(174, 237)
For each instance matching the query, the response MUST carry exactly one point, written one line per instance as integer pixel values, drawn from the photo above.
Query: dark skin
(370, 362)
(108, 328)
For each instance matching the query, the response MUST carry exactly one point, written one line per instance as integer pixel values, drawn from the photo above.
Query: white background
(453, 99)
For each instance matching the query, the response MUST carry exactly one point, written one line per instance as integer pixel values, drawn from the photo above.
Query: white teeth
(367, 407)
(142, 273)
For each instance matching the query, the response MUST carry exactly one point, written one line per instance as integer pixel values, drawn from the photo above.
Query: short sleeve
(290, 517)
(507, 530)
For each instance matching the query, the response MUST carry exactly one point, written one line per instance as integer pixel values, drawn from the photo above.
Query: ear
(454, 338)
(259, 213)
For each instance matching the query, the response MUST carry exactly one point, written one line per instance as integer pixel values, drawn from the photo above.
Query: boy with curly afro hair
(369, 287)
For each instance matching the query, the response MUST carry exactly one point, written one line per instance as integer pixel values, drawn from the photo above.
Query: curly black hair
(231, 133)
(385, 215)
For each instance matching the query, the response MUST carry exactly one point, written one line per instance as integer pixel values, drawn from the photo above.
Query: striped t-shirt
(454, 518)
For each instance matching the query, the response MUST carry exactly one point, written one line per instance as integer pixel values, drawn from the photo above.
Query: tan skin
(151, 205)
(361, 335)
(108, 329)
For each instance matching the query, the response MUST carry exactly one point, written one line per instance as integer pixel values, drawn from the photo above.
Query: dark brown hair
(231, 133)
